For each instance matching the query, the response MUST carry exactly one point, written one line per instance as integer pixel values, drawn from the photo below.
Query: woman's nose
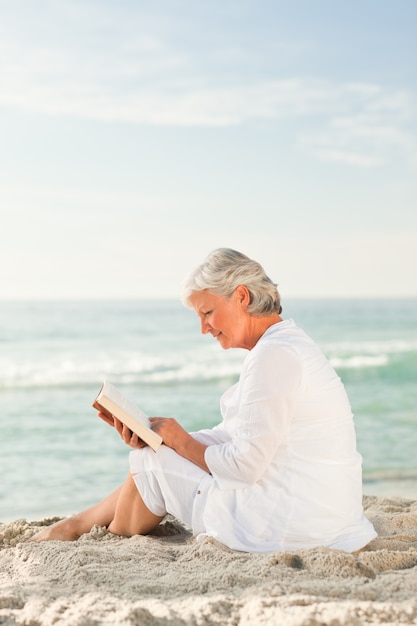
(205, 327)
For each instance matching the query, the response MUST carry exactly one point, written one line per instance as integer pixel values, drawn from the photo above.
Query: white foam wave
(66, 367)
(359, 361)
(388, 347)
(365, 354)
(74, 369)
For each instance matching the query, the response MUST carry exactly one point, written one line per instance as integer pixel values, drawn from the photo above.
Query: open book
(111, 401)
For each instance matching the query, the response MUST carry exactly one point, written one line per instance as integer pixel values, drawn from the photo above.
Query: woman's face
(224, 318)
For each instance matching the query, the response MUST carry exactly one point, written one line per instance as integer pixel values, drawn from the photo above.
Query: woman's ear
(242, 295)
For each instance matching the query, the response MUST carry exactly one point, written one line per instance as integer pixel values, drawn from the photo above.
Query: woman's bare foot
(65, 530)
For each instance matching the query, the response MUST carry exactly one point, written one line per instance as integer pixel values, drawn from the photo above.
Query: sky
(136, 137)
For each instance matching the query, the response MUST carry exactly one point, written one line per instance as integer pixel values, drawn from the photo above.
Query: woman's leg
(123, 512)
(131, 515)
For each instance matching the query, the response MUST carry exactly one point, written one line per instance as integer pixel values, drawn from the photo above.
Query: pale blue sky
(135, 137)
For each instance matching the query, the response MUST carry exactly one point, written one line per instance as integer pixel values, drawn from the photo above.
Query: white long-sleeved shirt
(285, 472)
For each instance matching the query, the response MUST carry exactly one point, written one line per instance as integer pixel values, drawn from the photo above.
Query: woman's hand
(173, 434)
(106, 418)
(130, 438)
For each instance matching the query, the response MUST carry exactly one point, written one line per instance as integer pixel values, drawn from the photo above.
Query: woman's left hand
(174, 436)
(172, 433)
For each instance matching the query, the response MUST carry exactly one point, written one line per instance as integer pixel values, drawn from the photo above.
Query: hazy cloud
(137, 71)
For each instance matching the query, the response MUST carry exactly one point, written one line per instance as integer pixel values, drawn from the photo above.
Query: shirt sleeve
(268, 387)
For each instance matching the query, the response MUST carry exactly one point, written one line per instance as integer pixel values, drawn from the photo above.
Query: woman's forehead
(201, 299)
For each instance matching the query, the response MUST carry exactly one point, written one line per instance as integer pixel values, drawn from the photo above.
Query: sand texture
(170, 579)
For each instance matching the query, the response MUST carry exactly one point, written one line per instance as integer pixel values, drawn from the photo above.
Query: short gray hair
(223, 270)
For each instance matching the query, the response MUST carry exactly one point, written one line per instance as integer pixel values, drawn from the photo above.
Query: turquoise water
(58, 457)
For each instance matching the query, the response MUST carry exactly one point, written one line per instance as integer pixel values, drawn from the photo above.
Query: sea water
(57, 457)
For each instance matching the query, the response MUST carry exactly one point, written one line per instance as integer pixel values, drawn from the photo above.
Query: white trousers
(168, 483)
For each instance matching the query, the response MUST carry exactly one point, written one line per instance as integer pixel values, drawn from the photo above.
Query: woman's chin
(224, 342)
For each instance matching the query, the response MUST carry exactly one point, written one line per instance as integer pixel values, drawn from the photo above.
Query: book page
(130, 408)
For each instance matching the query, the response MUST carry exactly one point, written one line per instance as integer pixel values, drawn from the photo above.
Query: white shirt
(285, 472)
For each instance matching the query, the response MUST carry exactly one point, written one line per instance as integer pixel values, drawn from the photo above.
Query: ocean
(57, 457)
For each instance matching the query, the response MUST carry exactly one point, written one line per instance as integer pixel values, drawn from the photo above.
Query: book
(110, 401)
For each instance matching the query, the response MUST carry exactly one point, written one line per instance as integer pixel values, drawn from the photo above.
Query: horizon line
(41, 299)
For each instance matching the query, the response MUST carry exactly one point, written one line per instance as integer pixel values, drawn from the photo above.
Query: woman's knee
(132, 516)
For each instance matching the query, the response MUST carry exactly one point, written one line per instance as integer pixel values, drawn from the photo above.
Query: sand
(171, 579)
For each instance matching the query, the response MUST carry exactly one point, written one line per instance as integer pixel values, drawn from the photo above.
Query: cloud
(366, 126)
(350, 158)
(120, 75)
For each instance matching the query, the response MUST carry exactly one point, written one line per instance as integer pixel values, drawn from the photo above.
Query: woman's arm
(259, 413)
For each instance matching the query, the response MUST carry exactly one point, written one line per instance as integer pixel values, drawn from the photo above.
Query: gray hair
(223, 270)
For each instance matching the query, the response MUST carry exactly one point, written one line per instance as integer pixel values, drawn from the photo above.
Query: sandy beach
(170, 578)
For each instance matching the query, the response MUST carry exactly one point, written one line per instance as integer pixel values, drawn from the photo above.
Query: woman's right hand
(106, 418)
(130, 438)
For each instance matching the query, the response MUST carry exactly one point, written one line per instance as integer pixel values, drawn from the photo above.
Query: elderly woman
(281, 471)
